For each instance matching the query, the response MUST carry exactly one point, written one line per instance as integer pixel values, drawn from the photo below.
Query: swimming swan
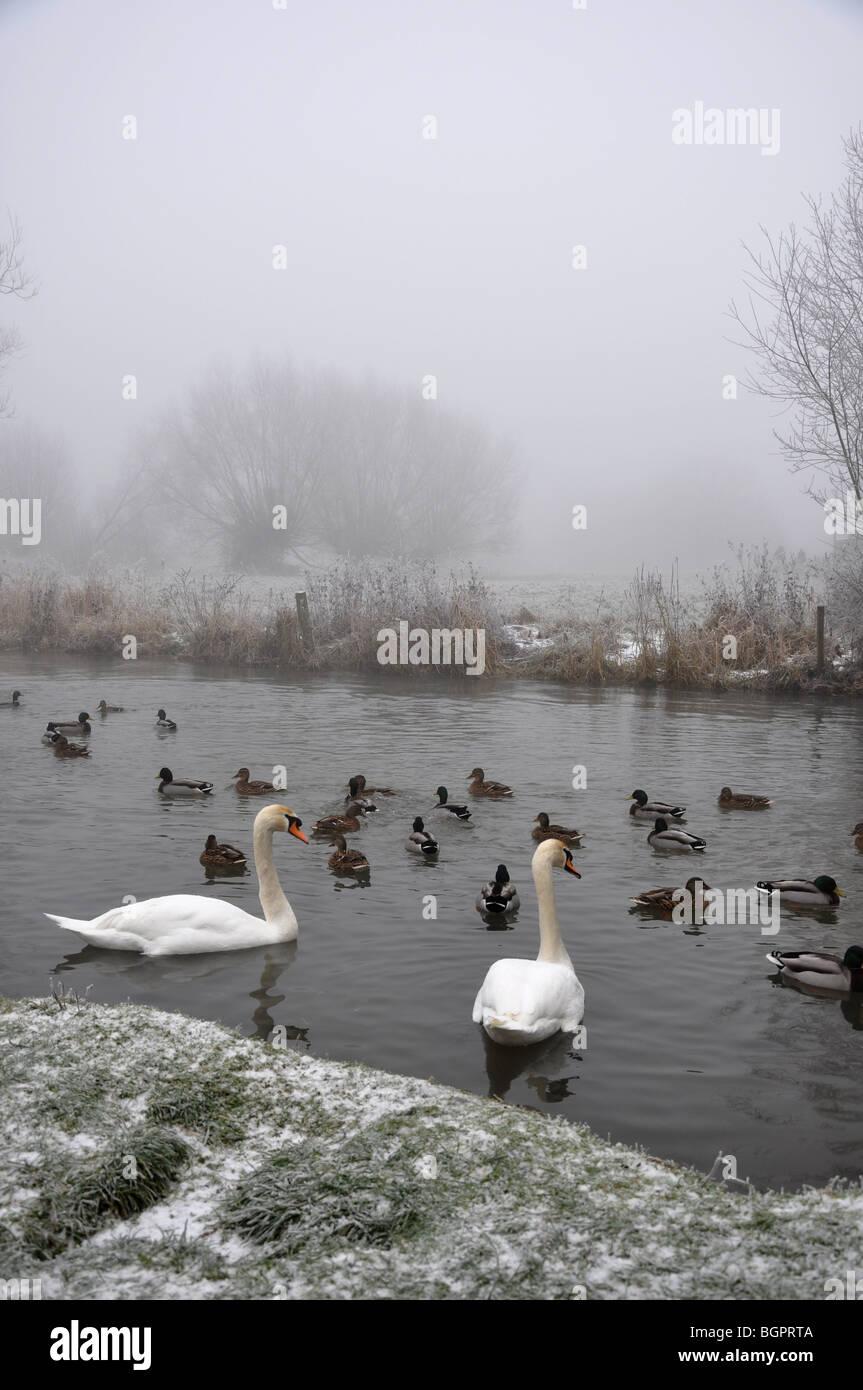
(524, 1001)
(184, 924)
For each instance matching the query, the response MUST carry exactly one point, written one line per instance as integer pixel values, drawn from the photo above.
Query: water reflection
(503, 1065)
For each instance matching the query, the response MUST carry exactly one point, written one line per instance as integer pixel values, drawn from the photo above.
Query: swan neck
(272, 899)
(551, 947)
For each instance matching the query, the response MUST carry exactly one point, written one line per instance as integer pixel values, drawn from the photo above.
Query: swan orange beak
(571, 869)
(295, 830)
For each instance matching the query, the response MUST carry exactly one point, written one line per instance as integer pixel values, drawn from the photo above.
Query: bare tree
(240, 458)
(804, 323)
(358, 467)
(16, 281)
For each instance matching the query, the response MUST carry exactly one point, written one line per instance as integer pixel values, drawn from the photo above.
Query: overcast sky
(303, 126)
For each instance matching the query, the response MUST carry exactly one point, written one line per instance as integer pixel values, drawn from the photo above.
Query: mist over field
(427, 276)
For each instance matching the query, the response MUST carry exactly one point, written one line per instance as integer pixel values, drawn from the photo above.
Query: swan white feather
(186, 924)
(524, 1001)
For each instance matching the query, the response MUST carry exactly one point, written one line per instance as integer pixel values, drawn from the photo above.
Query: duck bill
(295, 830)
(839, 893)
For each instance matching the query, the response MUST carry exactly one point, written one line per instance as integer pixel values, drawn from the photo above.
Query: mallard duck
(499, 895)
(241, 780)
(355, 795)
(857, 832)
(64, 749)
(13, 703)
(523, 1001)
(804, 892)
(183, 923)
(663, 899)
(460, 812)
(335, 824)
(545, 831)
(373, 791)
(168, 787)
(50, 735)
(347, 861)
(104, 708)
(740, 801)
(661, 837)
(649, 810)
(480, 787)
(163, 722)
(420, 841)
(80, 726)
(822, 970)
(216, 856)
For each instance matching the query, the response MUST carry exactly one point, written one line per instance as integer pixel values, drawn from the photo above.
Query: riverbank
(754, 630)
(151, 1155)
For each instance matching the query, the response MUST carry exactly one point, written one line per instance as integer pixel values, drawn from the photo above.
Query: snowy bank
(151, 1155)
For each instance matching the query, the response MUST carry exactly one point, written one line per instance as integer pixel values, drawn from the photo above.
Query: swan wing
(180, 924)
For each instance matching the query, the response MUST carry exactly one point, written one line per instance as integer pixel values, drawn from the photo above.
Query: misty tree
(403, 476)
(273, 459)
(241, 453)
(17, 283)
(804, 323)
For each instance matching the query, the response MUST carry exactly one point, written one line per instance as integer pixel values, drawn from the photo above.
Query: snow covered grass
(150, 1155)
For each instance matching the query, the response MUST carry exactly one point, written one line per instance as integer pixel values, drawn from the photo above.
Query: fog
(450, 257)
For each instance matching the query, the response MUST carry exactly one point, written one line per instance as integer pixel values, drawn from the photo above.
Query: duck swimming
(336, 824)
(661, 837)
(14, 702)
(355, 794)
(64, 749)
(649, 810)
(420, 841)
(216, 856)
(665, 900)
(242, 783)
(372, 791)
(499, 895)
(104, 708)
(741, 801)
(168, 787)
(460, 812)
(163, 722)
(804, 892)
(546, 831)
(80, 726)
(347, 861)
(822, 970)
(480, 787)
(857, 832)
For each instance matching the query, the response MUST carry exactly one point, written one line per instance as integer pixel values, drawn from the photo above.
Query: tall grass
(764, 602)
(218, 620)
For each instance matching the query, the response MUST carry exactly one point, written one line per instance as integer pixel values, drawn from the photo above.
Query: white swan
(184, 924)
(524, 1001)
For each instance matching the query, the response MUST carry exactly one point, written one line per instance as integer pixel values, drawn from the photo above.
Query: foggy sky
(451, 257)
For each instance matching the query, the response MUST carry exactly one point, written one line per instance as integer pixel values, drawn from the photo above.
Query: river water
(691, 1045)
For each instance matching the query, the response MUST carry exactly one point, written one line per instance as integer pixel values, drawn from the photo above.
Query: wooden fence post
(819, 637)
(304, 619)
